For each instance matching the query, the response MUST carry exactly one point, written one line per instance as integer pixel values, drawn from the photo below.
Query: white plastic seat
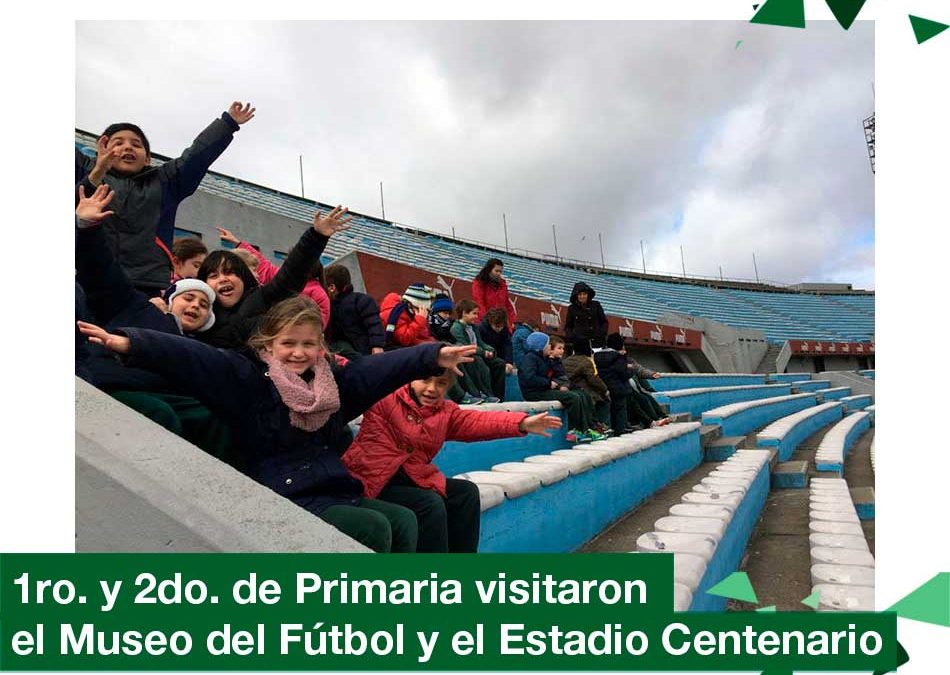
(712, 498)
(711, 526)
(677, 542)
(719, 489)
(596, 457)
(832, 527)
(838, 541)
(576, 464)
(548, 474)
(688, 569)
(845, 575)
(514, 484)
(841, 556)
(490, 495)
(720, 511)
(682, 598)
(833, 597)
(834, 516)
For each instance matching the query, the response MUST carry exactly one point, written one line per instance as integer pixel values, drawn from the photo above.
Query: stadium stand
(836, 443)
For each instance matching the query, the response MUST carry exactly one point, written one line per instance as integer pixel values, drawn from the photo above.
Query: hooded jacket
(612, 369)
(587, 321)
(300, 465)
(498, 341)
(355, 318)
(532, 374)
(583, 375)
(518, 347)
(234, 325)
(399, 432)
(141, 231)
(410, 328)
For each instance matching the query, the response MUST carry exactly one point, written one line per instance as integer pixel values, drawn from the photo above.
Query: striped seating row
(856, 402)
(556, 502)
(675, 381)
(695, 401)
(708, 530)
(835, 445)
(834, 393)
(740, 418)
(787, 433)
(842, 570)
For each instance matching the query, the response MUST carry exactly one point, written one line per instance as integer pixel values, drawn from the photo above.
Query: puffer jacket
(300, 465)
(490, 295)
(398, 432)
(518, 348)
(410, 328)
(532, 374)
(612, 369)
(584, 322)
(141, 231)
(355, 318)
(583, 375)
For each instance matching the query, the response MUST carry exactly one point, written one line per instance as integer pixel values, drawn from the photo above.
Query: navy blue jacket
(518, 348)
(354, 317)
(499, 341)
(113, 302)
(302, 466)
(612, 369)
(143, 227)
(532, 374)
(234, 325)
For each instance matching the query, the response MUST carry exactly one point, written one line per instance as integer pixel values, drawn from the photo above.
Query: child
(393, 452)
(405, 318)
(265, 271)
(147, 197)
(355, 329)
(585, 317)
(493, 331)
(558, 374)
(486, 373)
(536, 385)
(288, 405)
(582, 374)
(440, 327)
(613, 370)
(113, 301)
(241, 301)
(522, 330)
(187, 255)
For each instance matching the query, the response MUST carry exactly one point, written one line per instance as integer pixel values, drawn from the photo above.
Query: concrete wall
(728, 349)
(271, 232)
(141, 488)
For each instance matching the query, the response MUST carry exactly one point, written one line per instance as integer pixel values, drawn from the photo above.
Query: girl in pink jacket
(266, 270)
(401, 434)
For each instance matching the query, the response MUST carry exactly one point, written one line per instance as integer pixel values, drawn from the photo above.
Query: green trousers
(379, 525)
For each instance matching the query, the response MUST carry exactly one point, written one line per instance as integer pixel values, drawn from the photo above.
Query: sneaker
(468, 399)
(582, 436)
(492, 399)
(571, 436)
(595, 435)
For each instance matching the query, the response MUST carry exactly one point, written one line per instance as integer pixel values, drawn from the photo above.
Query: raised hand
(90, 209)
(333, 222)
(489, 355)
(160, 304)
(656, 376)
(105, 158)
(227, 235)
(452, 357)
(241, 113)
(539, 424)
(114, 343)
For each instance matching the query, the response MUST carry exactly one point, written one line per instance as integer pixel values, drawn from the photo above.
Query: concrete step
(708, 433)
(723, 448)
(682, 417)
(790, 475)
(863, 498)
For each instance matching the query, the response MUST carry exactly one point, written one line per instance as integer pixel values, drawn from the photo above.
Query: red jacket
(410, 330)
(266, 270)
(397, 431)
(488, 296)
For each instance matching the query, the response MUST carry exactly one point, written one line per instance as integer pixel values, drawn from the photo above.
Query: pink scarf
(310, 404)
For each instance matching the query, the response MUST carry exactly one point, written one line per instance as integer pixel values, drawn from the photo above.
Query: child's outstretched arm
(292, 275)
(266, 270)
(475, 425)
(372, 378)
(223, 380)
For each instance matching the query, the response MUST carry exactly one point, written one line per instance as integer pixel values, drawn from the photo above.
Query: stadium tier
(781, 315)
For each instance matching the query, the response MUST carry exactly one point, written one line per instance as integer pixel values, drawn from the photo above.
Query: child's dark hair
(227, 262)
(316, 273)
(128, 126)
(464, 306)
(186, 248)
(291, 312)
(337, 275)
(556, 340)
(496, 316)
(484, 274)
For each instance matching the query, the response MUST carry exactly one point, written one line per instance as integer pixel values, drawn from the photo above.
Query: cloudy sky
(664, 132)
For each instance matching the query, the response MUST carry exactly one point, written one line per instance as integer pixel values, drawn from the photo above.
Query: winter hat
(615, 341)
(441, 303)
(185, 285)
(537, 341)
(418, 295)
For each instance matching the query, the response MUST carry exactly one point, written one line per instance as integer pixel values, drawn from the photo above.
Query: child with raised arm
(147, 197)
(265, 271)
(242, 301)
(401, 435)
(288, 405)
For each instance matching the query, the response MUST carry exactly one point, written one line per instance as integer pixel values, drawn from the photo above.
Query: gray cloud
(660, 131)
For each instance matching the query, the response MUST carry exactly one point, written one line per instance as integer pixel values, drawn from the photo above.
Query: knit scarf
(311, 404)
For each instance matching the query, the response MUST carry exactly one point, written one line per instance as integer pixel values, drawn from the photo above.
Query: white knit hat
(185, 285)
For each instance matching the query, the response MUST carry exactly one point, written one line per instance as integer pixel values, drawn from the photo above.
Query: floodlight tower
(869, 138)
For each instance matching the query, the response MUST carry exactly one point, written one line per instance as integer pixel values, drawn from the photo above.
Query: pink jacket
(313, 290)
(398, 432)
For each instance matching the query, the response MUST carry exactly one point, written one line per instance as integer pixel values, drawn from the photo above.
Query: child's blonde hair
(295, 311)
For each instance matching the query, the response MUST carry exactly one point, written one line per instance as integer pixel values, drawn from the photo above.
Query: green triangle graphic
(789, 13)
(845, 11)
(929, 603)
(924, 29)
(812, 600)
(736, 587)
(770, 608)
